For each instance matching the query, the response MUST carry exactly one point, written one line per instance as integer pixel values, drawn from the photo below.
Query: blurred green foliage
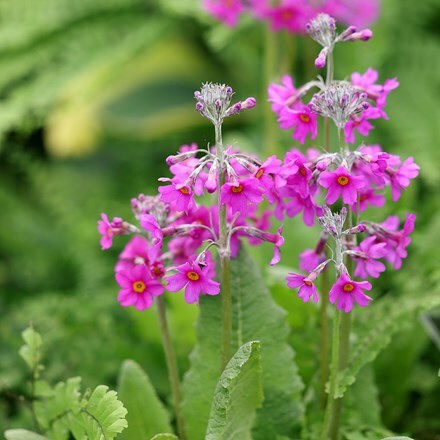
(94, 96)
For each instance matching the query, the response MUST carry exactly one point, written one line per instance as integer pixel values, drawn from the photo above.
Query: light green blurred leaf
(237, 396)
(146, 413)
(23, 434)
(377, 326)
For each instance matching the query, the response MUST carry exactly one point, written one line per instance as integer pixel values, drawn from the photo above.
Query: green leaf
(165, 437)
(146, 414)
(377, 326)
(31, 351)
(103, 415)
(23, 434)
(63, 400)
(256, 317)
(397, 438)
(237, 396)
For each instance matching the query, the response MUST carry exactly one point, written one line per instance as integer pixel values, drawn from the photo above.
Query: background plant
(63, 94)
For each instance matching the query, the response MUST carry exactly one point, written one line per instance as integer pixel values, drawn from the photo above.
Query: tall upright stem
(224, 253)
(173, 372)
(333, 376)
(270, 61)
(325, 337)
(344, 344)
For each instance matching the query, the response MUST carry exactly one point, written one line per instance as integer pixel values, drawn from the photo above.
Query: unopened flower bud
(355, 230)
(322, 58)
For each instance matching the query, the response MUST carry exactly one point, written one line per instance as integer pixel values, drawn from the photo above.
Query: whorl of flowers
(175, 233)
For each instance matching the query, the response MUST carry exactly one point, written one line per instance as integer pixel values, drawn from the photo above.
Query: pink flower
(306, 286)
(109, 230)
(292, 15)
(398, 241)
(361, 123)
(355, 12)
(306, 204)
(400, 179)
(309, 259)
(134, 253)
(369, 251)
(345, 292)
(178, 194)
(241, 195)
(269, 176)
(226, 11)
(280, 94)
(377, 92)
(341, 182)
(296, 172)
(195, 281)
(304, 121)
(368, 197)
(137, 287)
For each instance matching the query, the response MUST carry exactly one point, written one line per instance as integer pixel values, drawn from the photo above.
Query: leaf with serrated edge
(146, 414)
(375, 329)
(237, 396)
(23, 434)
(256, 317)
(31, 351)
(103, 415)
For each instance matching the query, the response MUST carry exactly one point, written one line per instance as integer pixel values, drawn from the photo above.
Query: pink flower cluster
(172, 227)
(293, 113)
(293, 15)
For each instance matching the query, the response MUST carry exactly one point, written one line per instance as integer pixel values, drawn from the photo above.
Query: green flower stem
(344, 345)
(270, 62)
(224, 253)
(333, 377)
(173, 372)
(325, 336)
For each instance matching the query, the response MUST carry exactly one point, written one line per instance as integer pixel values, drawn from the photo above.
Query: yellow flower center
(302, 171)
(237, 189)
(193, 276)
(259, 173)
(308, 283)
(184, 190)
(348, 287)
(304, 118)
(343, 180)
(139, 286)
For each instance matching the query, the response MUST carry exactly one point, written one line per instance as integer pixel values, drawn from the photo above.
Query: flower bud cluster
(351, 105)
(213, 102)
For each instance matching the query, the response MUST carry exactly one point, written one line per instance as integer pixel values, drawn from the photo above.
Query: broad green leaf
(376, 327)
(256, 317)
(146, 414)
(103, 415)
(31, 351)
(165, 437)
(237, 396)
(22, 434)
